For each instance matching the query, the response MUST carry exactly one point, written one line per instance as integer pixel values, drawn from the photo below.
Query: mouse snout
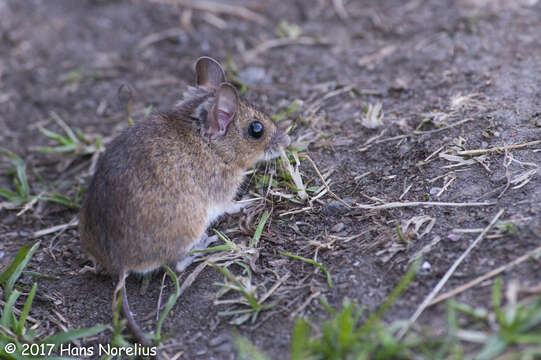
(280, 139)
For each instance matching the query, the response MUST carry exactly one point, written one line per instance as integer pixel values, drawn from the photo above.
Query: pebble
(254, 75)
(454, 237)
(338, 227)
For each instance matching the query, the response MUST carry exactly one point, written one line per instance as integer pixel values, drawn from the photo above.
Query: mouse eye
(256, 130)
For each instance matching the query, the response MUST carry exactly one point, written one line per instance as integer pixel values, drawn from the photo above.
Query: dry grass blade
(393, 205)
(307, 302)
(218, 8)
(295, 174)
(325, 183)
(340, 9)
(497, 148)
(378, 56)
(486, 276)
(251, 54)
(53, 229)
(159, 36)
(426, 302)
(373, 118)
(418, 222)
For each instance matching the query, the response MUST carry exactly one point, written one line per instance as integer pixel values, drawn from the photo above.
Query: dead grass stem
(393, 205)
(428, 299)
(486, 276)
(497, 148)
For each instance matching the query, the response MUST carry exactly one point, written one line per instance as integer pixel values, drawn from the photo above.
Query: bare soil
(414, 57)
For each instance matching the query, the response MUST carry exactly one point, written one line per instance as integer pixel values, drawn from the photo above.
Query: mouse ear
(208, 73)
(223, 112)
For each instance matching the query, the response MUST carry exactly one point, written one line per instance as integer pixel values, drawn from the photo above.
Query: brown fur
(149, 199)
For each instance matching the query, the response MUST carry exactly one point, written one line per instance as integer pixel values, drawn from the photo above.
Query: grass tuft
(13, 329)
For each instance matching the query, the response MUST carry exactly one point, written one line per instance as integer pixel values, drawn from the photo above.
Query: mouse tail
(132, 324)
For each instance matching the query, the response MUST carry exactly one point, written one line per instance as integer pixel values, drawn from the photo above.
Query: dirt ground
(450, 76)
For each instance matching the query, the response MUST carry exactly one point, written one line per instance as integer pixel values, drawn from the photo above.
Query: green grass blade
(24, 191)
(18, 265)
(14, 158)
(310, 261)
(238, 286)
(70, 335)
(4, 340)
(7, 312)
(57, 149)
(492, 348)
(61, 199)
(247, 350)
(26, 310)
(170, 302)
(7, 194)
(497, 301)
(12, 273)
(40, 275)
(259, 230)
(300, 339)
(55, 136)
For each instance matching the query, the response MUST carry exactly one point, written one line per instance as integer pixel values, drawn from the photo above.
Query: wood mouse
(164, 180)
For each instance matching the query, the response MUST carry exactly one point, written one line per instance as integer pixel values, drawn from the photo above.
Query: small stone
(338, 227)
(454, 237)
(435, 190)
(254, 75)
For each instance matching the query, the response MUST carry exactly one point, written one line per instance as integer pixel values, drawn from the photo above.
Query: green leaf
(310, 261)
(57, 149)
(26, 309)
(247, 350)
(61, 199)
(7, 194)
(56, 137)
(170, 302)
(13, 272)
(259, 230)
(300, 340)
(70, 335)
(8, 309)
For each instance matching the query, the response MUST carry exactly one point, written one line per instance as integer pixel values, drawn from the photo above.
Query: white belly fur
(216, 211)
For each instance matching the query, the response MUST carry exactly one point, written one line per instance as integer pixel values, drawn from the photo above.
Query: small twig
(488, 275)
(274, 43)
(429, 157)
(218, 8)
(497, 148)
(159, 36)
(426, 302)
(273, 288)
(405, 192)
(73, 223)
(325, 183)
(304, 304)
(296, 211)
(393, 205)
(418, 132)
(340, 9)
